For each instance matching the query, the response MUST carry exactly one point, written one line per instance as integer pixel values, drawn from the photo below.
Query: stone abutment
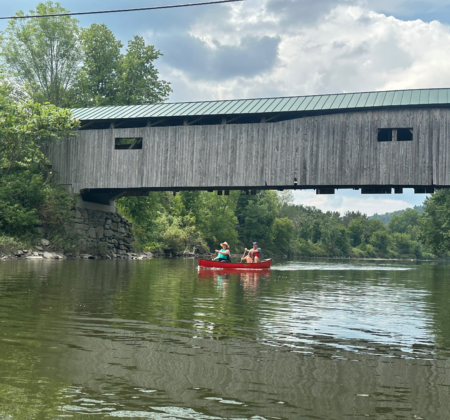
(103, 232)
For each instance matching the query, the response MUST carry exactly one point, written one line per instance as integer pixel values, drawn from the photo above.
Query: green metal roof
(341, 101)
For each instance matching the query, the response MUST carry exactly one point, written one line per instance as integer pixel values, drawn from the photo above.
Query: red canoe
(242, 266)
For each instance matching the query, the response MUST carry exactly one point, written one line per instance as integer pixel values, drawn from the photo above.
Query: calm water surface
(158, 339)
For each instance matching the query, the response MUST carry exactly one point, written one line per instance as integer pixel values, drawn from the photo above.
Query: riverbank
(42, 254)
(46, 255)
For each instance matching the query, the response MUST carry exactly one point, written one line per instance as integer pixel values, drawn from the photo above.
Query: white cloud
(348, 49)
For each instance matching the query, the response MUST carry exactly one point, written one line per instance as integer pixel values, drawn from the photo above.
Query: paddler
(254, 254)
(224, 254)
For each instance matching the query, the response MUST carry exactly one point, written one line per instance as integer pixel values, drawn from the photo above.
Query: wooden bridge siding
(340, 149)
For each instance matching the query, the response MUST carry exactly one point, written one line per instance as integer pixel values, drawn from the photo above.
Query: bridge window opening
(404, 134)
(128, 143)
(385, 134)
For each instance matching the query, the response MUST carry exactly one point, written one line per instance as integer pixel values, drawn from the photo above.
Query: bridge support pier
(101, 228)
(103, 203)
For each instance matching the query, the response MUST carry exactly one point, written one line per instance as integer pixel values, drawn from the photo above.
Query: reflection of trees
(35, 299)
(436, 279)
(175, 294)
(28, 312)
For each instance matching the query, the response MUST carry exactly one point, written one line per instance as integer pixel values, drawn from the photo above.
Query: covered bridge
(374, 141)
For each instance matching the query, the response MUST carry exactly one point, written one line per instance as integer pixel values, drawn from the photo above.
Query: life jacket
(256, 254)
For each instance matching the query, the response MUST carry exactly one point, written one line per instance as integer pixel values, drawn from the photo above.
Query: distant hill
(387, 216)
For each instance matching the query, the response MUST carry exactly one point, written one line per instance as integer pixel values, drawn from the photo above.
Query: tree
(43, 55)
(53, 60)
(351, 215)
(109, 77)
(139, 81)
(361, 229)
(28, 198)
(283, 230)
(403, 244)
(334, 238)
(380, 240)
(435, 222)
(256, 215)
(286, 198)
(403, 222)
(96, 84)
(216, 219)
(24, 127)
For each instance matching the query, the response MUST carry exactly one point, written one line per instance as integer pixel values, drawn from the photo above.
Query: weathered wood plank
(340, 149)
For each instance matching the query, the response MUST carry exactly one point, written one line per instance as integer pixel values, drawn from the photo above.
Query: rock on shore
(25, 254)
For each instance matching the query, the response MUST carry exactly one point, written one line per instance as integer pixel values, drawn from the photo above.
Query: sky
(265, 48)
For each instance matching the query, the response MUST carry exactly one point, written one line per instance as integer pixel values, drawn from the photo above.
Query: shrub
(28, 203)
(8, 244)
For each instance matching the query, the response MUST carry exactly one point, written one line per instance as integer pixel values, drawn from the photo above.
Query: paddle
(243, 255)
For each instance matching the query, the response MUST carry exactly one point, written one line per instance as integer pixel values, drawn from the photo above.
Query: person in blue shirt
(224, 254)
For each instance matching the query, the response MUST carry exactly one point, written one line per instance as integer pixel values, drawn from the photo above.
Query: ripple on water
(156, 340)
(323, 266)
(329, 312)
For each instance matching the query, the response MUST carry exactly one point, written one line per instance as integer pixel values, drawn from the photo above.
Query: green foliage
(55, 216)
(179, 233)
(381, 240)
(328, 234)
(43, 55)
(24, 127)
(216, 218)
(435, 223)
(202, 219)
(403, 222)
(8, 243)
(138, 81)
(351, 215)
(54, 60)
(335, 238)
(109, 77)
(386, 217)
(30, 202)
(144, 212)
(362, 228)
(283, 233)
(96, 82)
(19, 197)
(199, 219)
(256, 215)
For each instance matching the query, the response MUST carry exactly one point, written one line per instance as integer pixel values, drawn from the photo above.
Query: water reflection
(249, 280)
(159, 339)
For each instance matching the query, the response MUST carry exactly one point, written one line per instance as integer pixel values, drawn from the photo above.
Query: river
(157, 339)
